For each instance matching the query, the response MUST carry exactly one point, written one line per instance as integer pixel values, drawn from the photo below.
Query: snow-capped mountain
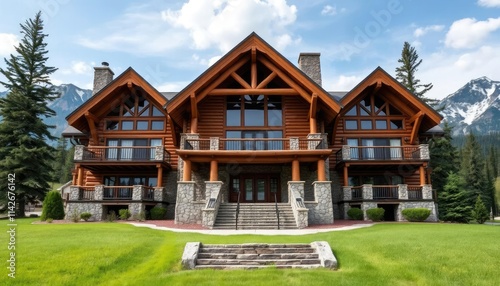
(70, 98)
(474, 107)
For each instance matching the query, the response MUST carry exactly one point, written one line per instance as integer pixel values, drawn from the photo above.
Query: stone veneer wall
(187, 211)
(95, 209)
(414, 204)
(321, 211)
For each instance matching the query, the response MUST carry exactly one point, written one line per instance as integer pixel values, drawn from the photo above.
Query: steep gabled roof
(104, 98)
(398, 94)
(270, 58)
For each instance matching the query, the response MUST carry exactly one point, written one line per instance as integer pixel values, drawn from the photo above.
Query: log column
(79, 181)
(422, 175)
(214, 171)
(159, 176)
(295, 170)
(186, 175)
(346, 175)
(321, 170)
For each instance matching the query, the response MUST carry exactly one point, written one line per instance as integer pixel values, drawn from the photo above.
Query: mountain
(70, 98)
(474, 107)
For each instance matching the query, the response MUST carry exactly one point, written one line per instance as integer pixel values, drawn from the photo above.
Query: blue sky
(170, 43)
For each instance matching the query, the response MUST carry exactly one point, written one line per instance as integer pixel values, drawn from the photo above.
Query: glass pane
(112, 153)
(380, 124)
(126, 153)
(157, 125)
(142, 125)
(274, 111)
(396, 124)
(152, 182)
(248, 190)
(396, 180)
(275, 145)
(366, 124)
(363, 111)
(130, 104)
(233, 144)
(110, 181)
(351, 124)
(111, 125)
(153, 143)
(273, 183)
(236, 185)
(261, 189)
(127, 125)
(352, 112)
(367, 104)
(233, 111)
(353, 143)
(353, 181)
(156, 112)
(143, 107)
(254, 110)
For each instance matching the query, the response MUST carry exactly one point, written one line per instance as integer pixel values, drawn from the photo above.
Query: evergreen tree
(454, 200)
(480, 213)
(23, 134)
(490, 187)
(52, 206)
(405, 74)
(60, 173)
(443, 158)
(473, 171)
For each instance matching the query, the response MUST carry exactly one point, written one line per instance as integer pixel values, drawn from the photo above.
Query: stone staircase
(255, 216)
(258, 255)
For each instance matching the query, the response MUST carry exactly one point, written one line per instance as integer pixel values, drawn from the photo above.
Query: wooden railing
(357, 192)
(415, 193)
(118, 192)
(385, 192)
(258, 144)
(86, 194)
(121, 153)
(383, 153)
(148, 193)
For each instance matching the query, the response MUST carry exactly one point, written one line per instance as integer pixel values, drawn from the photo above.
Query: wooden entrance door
(255, 188)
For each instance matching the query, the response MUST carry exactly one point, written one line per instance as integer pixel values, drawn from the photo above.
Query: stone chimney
(102, 76)
(309, 63)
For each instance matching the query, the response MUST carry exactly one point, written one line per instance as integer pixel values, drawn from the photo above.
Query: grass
(121, 254)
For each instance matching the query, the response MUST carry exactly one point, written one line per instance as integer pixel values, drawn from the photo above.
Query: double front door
(255, 188)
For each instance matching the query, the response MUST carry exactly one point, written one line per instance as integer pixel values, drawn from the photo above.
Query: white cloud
(344, 83)
(223, 23)
(421, 31)
(489, 3)
(78, 67)
(329, 10)
(171, 86)
(449, 71)
(469, 33)
(7, 44)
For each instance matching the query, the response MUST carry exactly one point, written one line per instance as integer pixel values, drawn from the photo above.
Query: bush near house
(124, 214)
(52, 206)
(376, 214)
(85, 216)
(158, 213)
(416, 214)
(355, 213)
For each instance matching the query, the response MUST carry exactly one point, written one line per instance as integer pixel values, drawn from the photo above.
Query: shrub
(52, 206)
(49, 220)
(480, 213)
(416, 214)
(376, 214)
(355, 213)
(124, 214)
(75, 217)
(141, 216)
(158, 213)
(33, 215)
(111, 216)
(85, 216)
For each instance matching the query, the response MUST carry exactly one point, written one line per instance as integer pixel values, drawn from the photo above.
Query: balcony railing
(254, 144)
(101, 192)
(121, 153)
(381, 192)
(382, 153)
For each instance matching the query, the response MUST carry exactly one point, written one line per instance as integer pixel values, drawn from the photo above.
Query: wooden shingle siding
(296, 111)
(211, 117)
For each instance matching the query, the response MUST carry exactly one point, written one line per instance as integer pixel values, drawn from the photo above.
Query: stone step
(270, 261)
(250, 267)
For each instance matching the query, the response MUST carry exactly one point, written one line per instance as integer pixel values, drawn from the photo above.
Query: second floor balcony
(387, 192)
(383, 153)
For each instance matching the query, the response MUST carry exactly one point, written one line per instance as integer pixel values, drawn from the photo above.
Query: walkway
(169, 225)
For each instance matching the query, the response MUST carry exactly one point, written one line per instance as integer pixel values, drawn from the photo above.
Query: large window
(375, 148)
(254, 111)
(373, 113)
(135, 113)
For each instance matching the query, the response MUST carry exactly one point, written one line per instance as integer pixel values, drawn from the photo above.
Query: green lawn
(121, 254)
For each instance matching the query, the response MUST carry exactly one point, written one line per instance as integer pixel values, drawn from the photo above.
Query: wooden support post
(160, 176)
(214, 171)
(422, 175)
(346, 175)
(295, 170)
(321, 170)
(80, 176)
(74, 177)
(186, 176)
(312, 114)
(194, 125)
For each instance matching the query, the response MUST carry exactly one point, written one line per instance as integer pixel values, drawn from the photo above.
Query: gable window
(254, 110)
(373, 113)
(135, 113)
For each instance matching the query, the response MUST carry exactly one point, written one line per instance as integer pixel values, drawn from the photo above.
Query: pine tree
(60, 172)
(480, 213)
(23, 147)
(454, 200)
(405, 74)
(473, 171)
(443, 158)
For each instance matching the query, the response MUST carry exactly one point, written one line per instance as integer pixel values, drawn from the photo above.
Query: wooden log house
(253, 129)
